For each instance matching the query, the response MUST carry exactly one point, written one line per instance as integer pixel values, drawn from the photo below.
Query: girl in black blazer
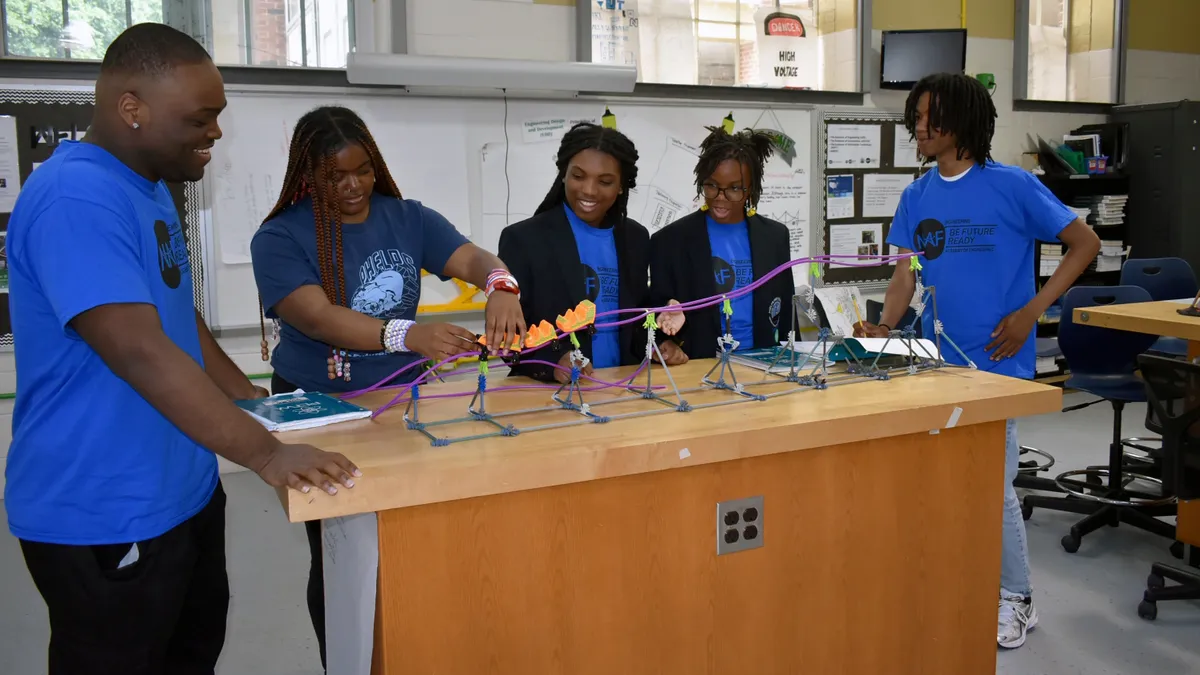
(580, 245)
(723, 247)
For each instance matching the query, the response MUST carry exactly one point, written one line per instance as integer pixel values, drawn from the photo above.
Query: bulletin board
(866, 159)
(32, 124)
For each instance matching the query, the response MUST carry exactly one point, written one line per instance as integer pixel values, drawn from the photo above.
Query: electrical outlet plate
(739, 525)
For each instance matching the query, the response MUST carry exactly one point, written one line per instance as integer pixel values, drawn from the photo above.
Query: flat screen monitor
(908, 55)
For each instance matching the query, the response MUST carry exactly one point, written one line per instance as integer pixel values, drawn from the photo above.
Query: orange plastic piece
(582, 316)
(538, 335)
(516, 343)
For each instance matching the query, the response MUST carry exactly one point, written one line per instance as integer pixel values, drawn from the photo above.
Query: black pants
(161, 615)
(316, 569)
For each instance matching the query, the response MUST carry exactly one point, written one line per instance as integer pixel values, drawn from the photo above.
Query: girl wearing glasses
(723, 247)
(580, 244)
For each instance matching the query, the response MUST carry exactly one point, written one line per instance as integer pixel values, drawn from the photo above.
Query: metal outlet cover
(739, 525)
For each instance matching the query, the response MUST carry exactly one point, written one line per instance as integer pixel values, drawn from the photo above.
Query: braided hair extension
(749, 147)
(588, 136)
(319, 135)
(959, 105)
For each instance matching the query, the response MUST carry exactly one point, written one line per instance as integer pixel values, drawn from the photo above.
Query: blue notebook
(301, 410)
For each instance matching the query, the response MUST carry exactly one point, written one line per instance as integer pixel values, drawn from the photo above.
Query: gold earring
(704, 206)
(751, 211)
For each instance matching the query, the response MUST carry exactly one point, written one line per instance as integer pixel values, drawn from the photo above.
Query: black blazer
(542, 254)
(681, 269)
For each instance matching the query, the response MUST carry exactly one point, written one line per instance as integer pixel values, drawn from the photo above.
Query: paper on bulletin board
(865, 240)
(853, 146)
(881, 193)
(10, 176)
(905, 154)
(615, 32)
(351, 566)
(839, 197)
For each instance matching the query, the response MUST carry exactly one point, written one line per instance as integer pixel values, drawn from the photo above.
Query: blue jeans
(1014, 550)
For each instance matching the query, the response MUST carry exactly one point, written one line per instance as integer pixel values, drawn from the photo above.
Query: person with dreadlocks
(126, 398)
(338, 263)
(974, 223)
(723, 247)
(580, 244)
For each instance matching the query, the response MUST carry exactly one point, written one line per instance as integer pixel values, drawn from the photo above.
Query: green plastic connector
(914, 264)
(574, 340)
(483, 368)
(650, 323)
(727, 308)
(814, 270)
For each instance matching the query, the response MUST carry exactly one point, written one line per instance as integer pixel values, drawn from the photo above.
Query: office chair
(875, 314)
(1173, 390)
(1103, 362)
(1164, 279)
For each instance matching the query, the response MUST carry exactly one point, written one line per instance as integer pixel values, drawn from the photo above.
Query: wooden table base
(878, 557)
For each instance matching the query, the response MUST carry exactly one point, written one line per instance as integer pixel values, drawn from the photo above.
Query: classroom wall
(1163, 61)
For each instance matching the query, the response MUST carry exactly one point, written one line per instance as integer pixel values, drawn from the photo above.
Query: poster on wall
(615, 32)
(788, 53)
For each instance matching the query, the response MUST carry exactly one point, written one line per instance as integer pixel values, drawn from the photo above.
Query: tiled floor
(1087, 601)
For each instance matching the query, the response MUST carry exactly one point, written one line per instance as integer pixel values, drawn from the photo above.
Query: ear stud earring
(136, 125)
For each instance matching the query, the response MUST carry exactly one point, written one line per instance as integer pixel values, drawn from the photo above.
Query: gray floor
(1087, 601)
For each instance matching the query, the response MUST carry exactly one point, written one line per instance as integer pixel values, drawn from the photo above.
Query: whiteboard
(461, 158)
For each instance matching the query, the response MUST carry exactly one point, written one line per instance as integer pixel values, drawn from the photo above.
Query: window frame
(308, 53)
(1021, 101)
(583, 53)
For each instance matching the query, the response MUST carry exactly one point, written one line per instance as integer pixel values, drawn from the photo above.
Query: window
(802, 44)
(307, 33)
(1072, 50)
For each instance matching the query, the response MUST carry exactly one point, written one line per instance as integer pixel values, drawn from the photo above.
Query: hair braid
(748, 147)
(588, 136)
(959, 105)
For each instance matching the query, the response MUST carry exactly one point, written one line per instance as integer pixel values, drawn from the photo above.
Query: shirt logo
(600, 286)
(389, 285)
(172, 252)
(729, 277)
(930, 238)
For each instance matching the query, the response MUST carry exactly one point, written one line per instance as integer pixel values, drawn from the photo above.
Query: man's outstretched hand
(303, 467)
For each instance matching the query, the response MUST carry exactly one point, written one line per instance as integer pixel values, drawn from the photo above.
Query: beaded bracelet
(394, 335)
(501, 280)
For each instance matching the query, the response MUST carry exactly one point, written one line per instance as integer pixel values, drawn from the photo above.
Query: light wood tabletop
(1156, 318)
(401, 468)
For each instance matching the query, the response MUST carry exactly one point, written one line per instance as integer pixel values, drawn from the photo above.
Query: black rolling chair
(1103, 362)
(1173, 389)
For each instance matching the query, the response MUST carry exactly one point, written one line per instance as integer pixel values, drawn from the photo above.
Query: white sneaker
(1018, 616)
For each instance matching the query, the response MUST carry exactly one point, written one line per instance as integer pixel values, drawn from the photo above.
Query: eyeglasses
(733, 194)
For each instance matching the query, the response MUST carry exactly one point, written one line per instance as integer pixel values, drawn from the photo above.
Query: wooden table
(592, 549)
(1163, 319)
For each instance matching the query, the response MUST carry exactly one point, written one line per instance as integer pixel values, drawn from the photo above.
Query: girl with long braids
(723, 247)
(338, 263)
(580, 244)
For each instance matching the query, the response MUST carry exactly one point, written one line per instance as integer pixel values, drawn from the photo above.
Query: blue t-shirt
(598, 253)
(382, 258)
(91, 461)
(978, 231)
(733, 269)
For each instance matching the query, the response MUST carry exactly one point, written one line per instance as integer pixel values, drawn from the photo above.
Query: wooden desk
(592, 549)
(1156, 318)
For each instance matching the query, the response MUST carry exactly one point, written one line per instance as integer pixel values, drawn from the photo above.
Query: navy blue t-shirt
(382, 258)
(598, 253)
(732, 270)
(91, 461)
(978, 231)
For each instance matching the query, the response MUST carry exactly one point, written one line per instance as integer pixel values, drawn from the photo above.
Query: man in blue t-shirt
(123, 394)
(598, 254)
(975, 222)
